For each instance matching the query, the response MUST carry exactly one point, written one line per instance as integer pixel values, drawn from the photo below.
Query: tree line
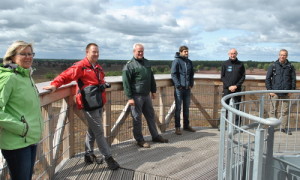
(52, 67)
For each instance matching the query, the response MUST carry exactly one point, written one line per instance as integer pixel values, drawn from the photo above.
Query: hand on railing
(51, 88)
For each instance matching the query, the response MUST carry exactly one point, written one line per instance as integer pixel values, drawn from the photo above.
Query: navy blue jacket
(182, 72)
(281, 77)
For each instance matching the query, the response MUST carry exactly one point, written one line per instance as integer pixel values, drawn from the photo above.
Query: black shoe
(91, 158)
(189, 128)
(284, 130)
(143, 144)
(178, 131)
(111, 163)
(160, 139)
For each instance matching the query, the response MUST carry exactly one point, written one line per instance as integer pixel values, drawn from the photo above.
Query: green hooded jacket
(21, 121)
(138, 78)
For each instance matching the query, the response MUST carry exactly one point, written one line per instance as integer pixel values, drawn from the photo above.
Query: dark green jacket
(138, 78)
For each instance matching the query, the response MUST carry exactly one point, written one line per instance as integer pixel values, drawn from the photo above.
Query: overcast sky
(60, 29)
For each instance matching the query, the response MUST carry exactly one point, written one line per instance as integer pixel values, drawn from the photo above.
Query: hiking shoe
(143, 144)
(160, 139)
(284, 130)
(91, 158)
(178, 131)
(111, 163)
(189, 128)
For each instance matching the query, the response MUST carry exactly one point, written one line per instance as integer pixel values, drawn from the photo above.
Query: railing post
(216, 104)
(230, 117)
(222, 145)
(68, 145)
(162, 97)
(47, 112)
(261, 106)
(107, 117)
(269, 156)
(258, 154)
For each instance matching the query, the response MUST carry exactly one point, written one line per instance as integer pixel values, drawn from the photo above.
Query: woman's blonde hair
(12, 50)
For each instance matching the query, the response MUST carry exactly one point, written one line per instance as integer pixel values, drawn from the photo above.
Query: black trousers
(237, 100)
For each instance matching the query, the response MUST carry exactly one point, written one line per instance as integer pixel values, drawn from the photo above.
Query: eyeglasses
(26, 54)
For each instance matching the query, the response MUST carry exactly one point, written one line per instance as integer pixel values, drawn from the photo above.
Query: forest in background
(47, 69)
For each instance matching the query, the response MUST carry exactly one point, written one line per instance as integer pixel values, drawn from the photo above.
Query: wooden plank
(87, 171)
(170, 114)
(59, 130)
(117, 174)
(57, 95)
(76, 169)
(120, 121)
(66, 169)
(138, 175)
(128, 174)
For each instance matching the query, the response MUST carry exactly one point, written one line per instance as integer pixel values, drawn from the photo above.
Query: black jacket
(281, 77)
(182, 72)
(233, 73)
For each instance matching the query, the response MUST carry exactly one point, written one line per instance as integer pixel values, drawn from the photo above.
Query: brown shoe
(178, 131)
(143, 144)
(160, 139)
(189, 128)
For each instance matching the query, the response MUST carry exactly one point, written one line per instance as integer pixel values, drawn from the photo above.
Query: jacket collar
(16, 69)
(87, 63)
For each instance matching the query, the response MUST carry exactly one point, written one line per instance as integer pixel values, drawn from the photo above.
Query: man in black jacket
(233, 76)
(182, 73)
(281, 76)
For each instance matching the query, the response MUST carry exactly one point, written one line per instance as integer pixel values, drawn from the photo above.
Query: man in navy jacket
(182, 73)
(281, 76)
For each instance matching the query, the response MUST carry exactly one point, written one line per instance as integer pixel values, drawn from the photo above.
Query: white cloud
(61, 28)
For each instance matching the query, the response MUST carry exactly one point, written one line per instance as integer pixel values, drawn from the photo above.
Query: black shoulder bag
(91, 96)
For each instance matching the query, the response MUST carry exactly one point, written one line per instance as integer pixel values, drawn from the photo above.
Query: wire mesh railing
(251, 136)
(65, 127)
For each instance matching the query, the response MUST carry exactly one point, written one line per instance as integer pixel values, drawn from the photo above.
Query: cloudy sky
(60, 29)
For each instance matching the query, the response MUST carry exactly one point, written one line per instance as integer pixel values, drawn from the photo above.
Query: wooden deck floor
(189, 156)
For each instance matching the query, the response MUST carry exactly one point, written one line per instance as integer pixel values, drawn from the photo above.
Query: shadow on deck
(189, 156)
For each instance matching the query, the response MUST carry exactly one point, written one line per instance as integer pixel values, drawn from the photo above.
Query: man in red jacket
(90, 80)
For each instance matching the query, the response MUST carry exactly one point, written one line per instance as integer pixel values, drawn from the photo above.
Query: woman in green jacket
(21, 122)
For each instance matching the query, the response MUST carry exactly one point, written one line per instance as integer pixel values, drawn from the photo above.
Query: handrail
(247, 148)
(268, 121)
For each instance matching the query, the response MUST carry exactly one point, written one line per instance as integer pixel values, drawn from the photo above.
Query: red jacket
(82, 70)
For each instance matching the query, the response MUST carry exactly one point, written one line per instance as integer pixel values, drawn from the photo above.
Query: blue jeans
(95, 132)
(20, 162)
(143, 105)
(182, 96)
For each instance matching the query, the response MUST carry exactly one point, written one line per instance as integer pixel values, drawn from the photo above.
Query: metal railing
(252, 145)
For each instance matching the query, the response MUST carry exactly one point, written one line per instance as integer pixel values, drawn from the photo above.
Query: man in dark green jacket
(138, 82)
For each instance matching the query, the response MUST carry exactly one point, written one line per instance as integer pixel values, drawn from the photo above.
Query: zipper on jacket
(27, 128)
(185, 75)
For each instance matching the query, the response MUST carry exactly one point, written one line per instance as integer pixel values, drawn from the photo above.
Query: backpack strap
(79, 82)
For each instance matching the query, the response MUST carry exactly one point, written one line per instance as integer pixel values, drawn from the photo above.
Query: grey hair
(137, 44)
(12, 50)
(284, 50)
